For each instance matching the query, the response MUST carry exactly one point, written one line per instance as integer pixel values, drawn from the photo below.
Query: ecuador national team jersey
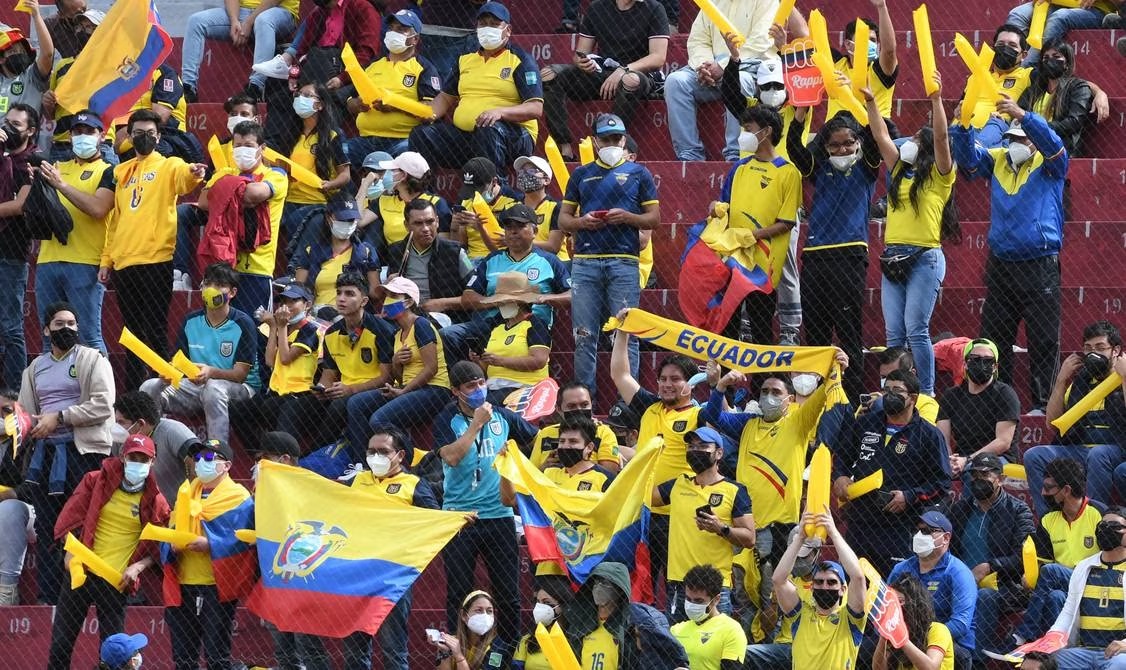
(421, 334)
(1072, 541)
(261, 261)
(719, 638)
(938, 637)
(324, 286)
(771, 461)
(119, 529)
(595, 187)
(1100, 608)
(414, 78)
(222, 346)
(762, 193)
(516, 342)
(305, 154)
(390, 209)
(882, 85)
(356, 354)
(524, 659)
(297, 377)
(84, 245)
(479, 83)
(600, 650)
(547, 217)
(605, 444)
(402, 487)
(595, 478)
(545, 273)
(146, 190)
(826, 640)
(475, 246)
(670, 423)
(688, 545)
(921, 228)
(168, 91)
(1011, 83)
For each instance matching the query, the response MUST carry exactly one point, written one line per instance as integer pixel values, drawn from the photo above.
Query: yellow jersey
(1072, 541)
(324, 287)
(547, 215)
(261, 261)
(595, 478)
(168, 91)
(84, 245)
(882, 86)
(599, 650)
(922, 228)
(719, 638)
(145, 193)
(670, 424)
(826, 640)
(518, 341)
(805, 595)
(119, 529)
(508, 79)
(413, 78)
(475, 247)
(688, 545)
(524, 659)
(1010, 83)
(304, 154)
(762, 193)
(297, 377)
(771, 461)
(421, 334)
(938, 637)
(356, 354)
(605, 444)
(401, 487)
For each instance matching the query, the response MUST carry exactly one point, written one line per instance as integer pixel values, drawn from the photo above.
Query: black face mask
(826, 598)
(699, 461)
(894, 404)
(14, 136)
(1005, 57)
(569, 457)
(1096, 365)
(17, 63)
(982, 489)
(1108, 535)
(144, 144)
(571, 413)
(1052, 69)
(64, 338)
(979, 372)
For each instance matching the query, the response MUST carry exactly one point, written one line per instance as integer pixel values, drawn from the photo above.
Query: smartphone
(433, 635)
(868, 398)
(318, 388)
(703, 509)
(599, 213)
(549, 444)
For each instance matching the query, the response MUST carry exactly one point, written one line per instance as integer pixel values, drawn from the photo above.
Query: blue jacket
(954, 591)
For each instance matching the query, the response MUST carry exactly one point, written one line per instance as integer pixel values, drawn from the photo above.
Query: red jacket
(81, 511)
(363, 29)
(227, 231)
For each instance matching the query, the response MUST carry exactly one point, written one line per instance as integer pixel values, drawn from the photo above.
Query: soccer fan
(479, 176)
(928, 646)
(553, 594)
(1010, 46)
(770, 213)
(533, 175)
(778, 654)
(476, 645)
(335, 250)
(824, 636)
(1061, 98)
(495, 97)
(439, 267)
(384, 220)
(20, 127)
(468, 435)
(625, 423)
(106, 513)
(922, 179)
(16, 516)
(632, 41)
(518, 347)
(708, 514)
(24, 71)
(221, 341)
(1060, 21)
(883, 61)
(402, 72)
(70, 271)
(69, 392)
(712, 639)
(136, 413)
(122, 651)
(617, 198)
(66, 27)
(1022, 274)
(899, 358)
(165, 98)
(145, 191)
(574, 401)
(981, 416)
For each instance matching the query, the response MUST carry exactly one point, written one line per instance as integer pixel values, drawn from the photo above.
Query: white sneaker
(275, 68)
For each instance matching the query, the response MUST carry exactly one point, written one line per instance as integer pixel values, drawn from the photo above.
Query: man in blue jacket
(1022, 275)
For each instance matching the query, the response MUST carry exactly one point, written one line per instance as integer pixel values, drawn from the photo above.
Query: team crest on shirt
(505, 73)
(1088, 542)
(496, 428)
(901, 447)
(73, 372)
(584, 486)
(226, 348)
(621, 178)
(1009, 83)
(509, 340)
(409, 79)
(366, 354)
(86, 174)
(715, 500)
(533, 274)
(704, 637)
(16, 88)
(135, 511)
(168, 85)
(394, 488)
(679, 426)
(764, 181)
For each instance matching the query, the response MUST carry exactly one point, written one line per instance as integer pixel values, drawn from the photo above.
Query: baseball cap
(622, 416)
(465, 371)
(407, 18)
(986, 462)
(608, 124)
(118, 648)
(218, 446)
(1015, 130)
(94, 16)
(88, 118)
(403, 286)
(138, 443)
(770, 72)
(519, 213)
(535, 161)
(808, 546)
(375, 160)
(936, 519)
(279, 443)
(835, 568)
(476, 174)
(705, 434)
(495, 9)
(296, 291)
(343, 209)
(410, 162)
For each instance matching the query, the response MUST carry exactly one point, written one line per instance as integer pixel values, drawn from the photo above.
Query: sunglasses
(208, 455)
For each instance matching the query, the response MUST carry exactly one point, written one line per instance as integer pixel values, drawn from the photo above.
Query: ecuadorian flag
(115, 69)
(580, 529)
(323, 547)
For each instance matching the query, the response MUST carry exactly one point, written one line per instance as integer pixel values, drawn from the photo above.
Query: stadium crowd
(353, 322)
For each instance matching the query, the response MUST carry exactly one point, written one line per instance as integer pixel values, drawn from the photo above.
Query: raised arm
(879, 128)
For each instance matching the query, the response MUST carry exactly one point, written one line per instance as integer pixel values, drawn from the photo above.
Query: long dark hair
(918, 614)
(950, 228)
(1038, 84)
(559, 588)
(291, 133)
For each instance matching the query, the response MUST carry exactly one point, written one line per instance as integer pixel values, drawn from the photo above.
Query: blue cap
(118, 648)
(835, 568)
(87, 118)
(705, 434)
(408, 19)
(495, 9)
(343, 209)
(609, 124)
(936, 519)
(297, 291)
(372, 160)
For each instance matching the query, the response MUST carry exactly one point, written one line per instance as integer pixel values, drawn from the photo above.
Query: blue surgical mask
(394, 309)
(84, 146)
(304, 106)
(476, 397)
(873, 51)
(381, 186)
(135, 473)
(207, 471)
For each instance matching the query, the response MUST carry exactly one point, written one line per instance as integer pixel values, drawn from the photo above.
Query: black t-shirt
(973, 417)
(15, 239)
(624, 36)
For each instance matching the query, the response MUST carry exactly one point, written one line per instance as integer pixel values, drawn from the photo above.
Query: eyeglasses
(1098, 348)
(142, 133)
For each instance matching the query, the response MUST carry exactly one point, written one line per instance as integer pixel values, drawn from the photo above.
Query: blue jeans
(269, 26)
(1100, 460)
(683, 95)
(443, 145)
(1083, 658)
(1046, 601)
(188, 217)
(771, 656)
(13, 277)
(14, 515)
(992, 605)
(1060, 20)
(370, 408)
(600, 288)
(908, 307)
(78, 284)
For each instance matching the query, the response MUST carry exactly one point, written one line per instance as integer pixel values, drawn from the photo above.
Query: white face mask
(1019, 153)
(490, 38)
(137, 662)
(843, 163)
(509, 310)
(922, 544)
(342, 230)
(395, 42)
(805, 383)
(245, 157)
(909, 151)
(611, 155)
(771, 407)
(479, 624)
(696, 611)
(748, 142)
(233, 121)
(380, 465)
(296, 318)
(773, 98)
(543, 613)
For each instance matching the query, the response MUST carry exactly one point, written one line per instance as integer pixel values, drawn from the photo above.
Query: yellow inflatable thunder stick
(554, 645)
(823, 59)
(817, 490)
(297, 172)
(83, 559)
(866, 485)
(150, 357)
(488, 218)
(725, 26)
(859, 73)
(586, 151)
(926, 48)
(1087, 402)
(555, 160)
(185, 365)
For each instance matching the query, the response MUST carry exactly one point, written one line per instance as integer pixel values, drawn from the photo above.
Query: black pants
(143, 295)
(201, 620)
(571, 83)
(881, 537)
(759, 308)
(494, 540)
(318, 420)
(71, 612)
(1026, 291)
(832, 302)
(658, 550)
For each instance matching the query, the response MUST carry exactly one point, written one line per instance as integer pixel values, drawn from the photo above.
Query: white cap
(94, 16)
(540, 164)
(1015, 130)
(410, 162)
(770, 72)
